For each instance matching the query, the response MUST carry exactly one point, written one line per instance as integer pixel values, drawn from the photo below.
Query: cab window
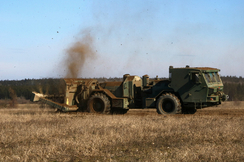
(212, 77)
(217, 77)
(195, 77)
(207, 76)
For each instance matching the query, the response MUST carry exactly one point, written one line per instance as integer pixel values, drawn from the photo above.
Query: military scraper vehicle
(186, 90)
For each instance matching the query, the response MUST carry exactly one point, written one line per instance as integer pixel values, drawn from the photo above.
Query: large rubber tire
(168, 103)
(99, 103)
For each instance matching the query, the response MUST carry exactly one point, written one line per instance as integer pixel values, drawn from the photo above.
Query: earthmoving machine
(186, 90)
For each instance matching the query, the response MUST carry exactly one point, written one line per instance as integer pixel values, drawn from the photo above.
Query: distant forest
(10, 89)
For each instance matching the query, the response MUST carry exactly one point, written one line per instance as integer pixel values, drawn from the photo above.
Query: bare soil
(30, 133)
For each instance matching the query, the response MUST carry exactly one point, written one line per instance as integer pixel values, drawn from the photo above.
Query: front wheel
(99, 103)
(168, 103)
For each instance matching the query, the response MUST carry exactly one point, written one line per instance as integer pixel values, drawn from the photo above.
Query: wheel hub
(168, 106)
(98, 105)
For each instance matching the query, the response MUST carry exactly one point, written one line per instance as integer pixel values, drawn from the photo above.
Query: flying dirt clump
(77, 55)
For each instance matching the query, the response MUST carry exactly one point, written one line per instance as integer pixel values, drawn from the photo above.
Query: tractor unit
(186, 90)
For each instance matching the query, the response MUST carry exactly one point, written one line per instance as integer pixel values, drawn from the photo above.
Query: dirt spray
(78, 54)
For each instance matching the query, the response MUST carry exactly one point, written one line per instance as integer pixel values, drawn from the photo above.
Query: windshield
(212, 77)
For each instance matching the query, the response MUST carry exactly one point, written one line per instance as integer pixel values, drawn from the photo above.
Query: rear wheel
(168, 103)
(99, 103)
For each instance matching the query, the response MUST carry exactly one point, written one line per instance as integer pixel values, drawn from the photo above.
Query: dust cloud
(78, 54)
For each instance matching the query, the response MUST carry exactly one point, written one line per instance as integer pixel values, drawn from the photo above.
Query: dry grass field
(30, 133)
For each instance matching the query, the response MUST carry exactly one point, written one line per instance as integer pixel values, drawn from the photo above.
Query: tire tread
(173, 96)
(102, 97)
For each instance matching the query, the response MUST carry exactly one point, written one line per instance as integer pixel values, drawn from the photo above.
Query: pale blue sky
(130, 36)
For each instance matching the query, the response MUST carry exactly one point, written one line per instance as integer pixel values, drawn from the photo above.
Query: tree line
(11, 89)
(234, 87)
(24, 88)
